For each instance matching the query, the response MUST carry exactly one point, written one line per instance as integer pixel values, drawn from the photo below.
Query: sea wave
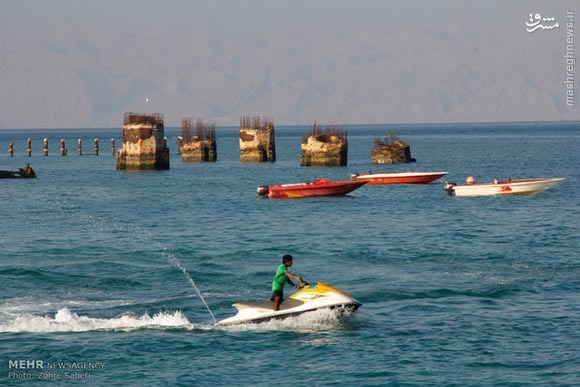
(66, 320)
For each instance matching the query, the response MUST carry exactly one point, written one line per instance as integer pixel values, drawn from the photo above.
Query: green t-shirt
(280, 278)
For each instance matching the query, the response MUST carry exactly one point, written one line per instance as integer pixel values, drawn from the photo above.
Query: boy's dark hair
(286, 258)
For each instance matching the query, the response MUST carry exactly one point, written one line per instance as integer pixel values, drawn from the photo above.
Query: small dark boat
(23, 173)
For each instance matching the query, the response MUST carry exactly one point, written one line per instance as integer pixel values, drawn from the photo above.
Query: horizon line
(335, 124)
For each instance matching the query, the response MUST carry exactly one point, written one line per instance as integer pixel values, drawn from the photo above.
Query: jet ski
(308, 299)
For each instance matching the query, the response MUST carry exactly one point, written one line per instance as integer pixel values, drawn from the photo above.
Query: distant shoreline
(347, 126)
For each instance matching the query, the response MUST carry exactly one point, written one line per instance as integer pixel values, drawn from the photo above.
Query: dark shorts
(277, 293)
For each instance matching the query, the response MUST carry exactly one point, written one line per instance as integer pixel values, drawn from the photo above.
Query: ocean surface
(115, 277)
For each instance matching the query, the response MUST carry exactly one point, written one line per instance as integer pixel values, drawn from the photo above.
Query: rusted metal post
(62, 147)
(80, 147)
(11, 149)
(45, 147)
(96, 147)
(28, 147)
(179, 144)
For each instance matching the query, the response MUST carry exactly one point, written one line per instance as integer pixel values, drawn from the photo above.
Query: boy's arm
(294, 277)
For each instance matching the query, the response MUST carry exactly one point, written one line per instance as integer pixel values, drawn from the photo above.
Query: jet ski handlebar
(302, 284)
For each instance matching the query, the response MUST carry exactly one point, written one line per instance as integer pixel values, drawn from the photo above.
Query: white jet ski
(308, 299)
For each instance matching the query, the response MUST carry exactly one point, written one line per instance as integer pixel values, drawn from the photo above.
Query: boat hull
(320, 187)
(400, 177)
(503, 188)
(339, 309)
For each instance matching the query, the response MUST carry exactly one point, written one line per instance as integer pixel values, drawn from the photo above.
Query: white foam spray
(171, 257)
(319, 320)
(67, 321)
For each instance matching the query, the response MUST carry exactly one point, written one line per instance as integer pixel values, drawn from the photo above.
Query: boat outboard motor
(262, 191)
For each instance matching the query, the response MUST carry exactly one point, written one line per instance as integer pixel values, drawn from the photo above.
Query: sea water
(114, 277)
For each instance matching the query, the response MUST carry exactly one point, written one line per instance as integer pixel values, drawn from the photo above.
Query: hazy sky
(72, 63)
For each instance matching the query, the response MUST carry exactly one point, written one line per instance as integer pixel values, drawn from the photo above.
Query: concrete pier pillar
(391, 150)
(257, 139)
(144, 143)
(201, 144)
(62, 147)
(324, 147)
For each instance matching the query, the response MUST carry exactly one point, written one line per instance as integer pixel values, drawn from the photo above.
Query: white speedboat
(506, 187)
(308, 299)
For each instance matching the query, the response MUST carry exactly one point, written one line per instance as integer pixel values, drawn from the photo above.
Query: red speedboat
(320, 187)
(399, 177)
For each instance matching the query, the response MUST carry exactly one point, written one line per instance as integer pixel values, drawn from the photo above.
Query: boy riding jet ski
(308, 299)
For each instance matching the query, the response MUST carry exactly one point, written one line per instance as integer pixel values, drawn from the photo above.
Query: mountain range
(335, 62)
